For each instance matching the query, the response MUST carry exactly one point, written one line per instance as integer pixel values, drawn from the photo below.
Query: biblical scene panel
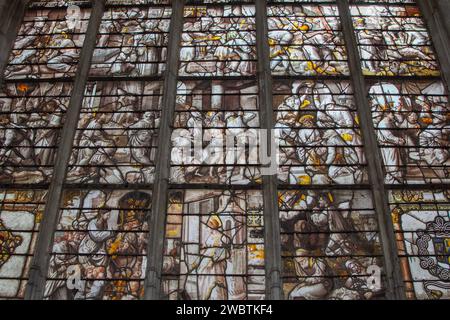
(48, 44)
(117, 133)
(218, 41)
(320, 139)
(330, 245)
(393, 41)
(215, 138)
(214, 245)
(306, 40)
(31, 118)
(100, 245)
(132, 41)
(413, 130)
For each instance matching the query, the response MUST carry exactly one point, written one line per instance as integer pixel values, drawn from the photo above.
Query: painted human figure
(212, 263)
(140, 138)
(311, 273)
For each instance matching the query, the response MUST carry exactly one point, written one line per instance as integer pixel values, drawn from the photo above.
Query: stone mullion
(161, 184)
(273, 263)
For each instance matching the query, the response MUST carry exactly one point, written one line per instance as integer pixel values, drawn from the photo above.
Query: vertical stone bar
(394, 281)
(39, 267)
(270, 191)
(11, 16)
(161, 184)
(439, 33)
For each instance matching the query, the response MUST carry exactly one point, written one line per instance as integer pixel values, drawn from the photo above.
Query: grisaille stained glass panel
(329, 236)
(47, 46)
(214, 111)
(214, 245)
(100, 243)
(393, 40)
(117, 133)
(132, 41)
(99, 249)
(412, 123)
(32, 115)
(21, 212)
(134, 2)
(214, 240)
(218, 41)
(329, 242)
(320, 139)
(306, 40)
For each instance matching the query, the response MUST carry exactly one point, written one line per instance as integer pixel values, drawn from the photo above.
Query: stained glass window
(306, 40)
(191, 97)
(393, 40)
(214, 248)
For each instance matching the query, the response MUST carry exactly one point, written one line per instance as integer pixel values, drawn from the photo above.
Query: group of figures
(100, 246)
(320, 141)
(330, 245)
(117, 133)
(218, 41)
(214, 245)
(215, 122)
(413, 131)
(32, 115)
(47, 45)
(132, 42)
(393, 40)
(306, 40)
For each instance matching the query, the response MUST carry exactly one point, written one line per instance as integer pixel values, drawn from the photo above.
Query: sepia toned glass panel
(99, 248)
(48, 44)
(132, 41)
(214, 245)
(320, 138)
(117, 133)
(412, 124)
(330, 245)
(306, 40)
(393, 41)
(218, 41)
